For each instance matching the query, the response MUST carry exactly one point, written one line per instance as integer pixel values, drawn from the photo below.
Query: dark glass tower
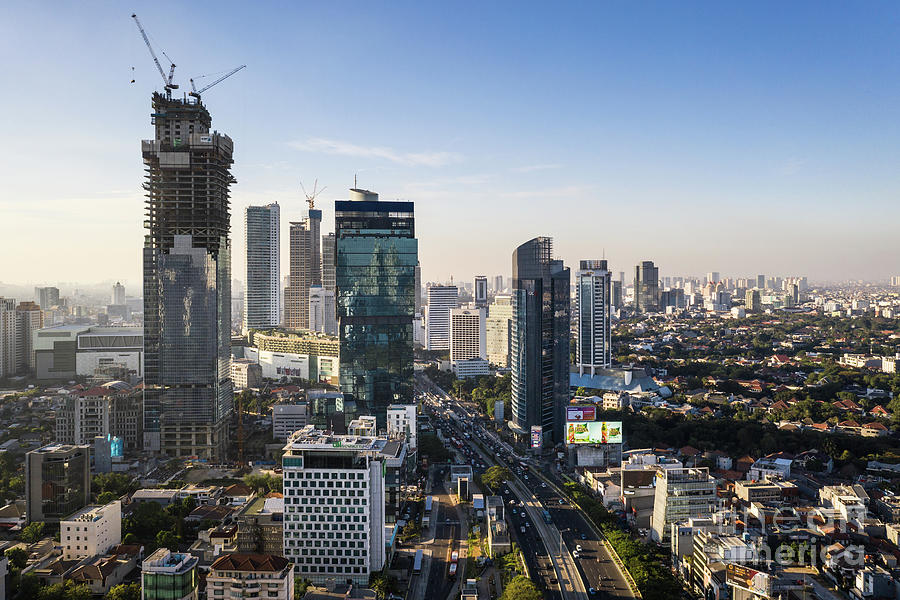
(187, 283)
(376, 253)
(646, 287)
(539, 340)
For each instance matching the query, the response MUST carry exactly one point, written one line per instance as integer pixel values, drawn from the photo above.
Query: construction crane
(311, 198)
(196, 93)
(167, 82)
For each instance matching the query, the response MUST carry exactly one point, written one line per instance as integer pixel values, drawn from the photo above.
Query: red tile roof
(250, 562)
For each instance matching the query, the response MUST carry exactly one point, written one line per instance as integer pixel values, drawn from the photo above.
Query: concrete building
(295, 355)
(288, 418)
(471, 367)
(497, 326)
(305, 269)
(593, 307)
(170, 575)
(334, 497)
(57, 481)
(262, 306)
(467, 334)
(46, 297)
(481, 291)
(236, 576)
(401, 420)
(246, 374)
(646, 287)
(64, 351)
(187, 282)
(681, 494)
(117, 298)
(753, 301)
(328, 245)
(260, 526)
(9, 339)
(91, 531)
(322, 317)
(441, 300)
(30, 319)
(100, 411)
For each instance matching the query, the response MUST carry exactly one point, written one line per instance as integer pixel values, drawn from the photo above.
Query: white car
(578, 548)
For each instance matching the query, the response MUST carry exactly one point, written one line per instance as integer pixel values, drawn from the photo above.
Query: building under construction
(187, 282)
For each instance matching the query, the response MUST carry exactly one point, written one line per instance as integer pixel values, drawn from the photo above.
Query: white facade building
(91, 531)
(262, 308)
(593, 285)
(236, 576)
(401, 419)
(118, 294)
(441, 299)
(334, 506)
(288, 418)
(467, 334)
(322, 308)
(497, 331)
(680, 495)
(9, 358)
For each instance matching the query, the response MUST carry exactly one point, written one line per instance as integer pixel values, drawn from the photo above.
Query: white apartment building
(236, 576)
(497, 330)
(680, 495)
(401, 419)
(288, 418)
(467, 334)
(593, 286)
(322, 317)
(441, 299)
(334, 507)
(91, 531)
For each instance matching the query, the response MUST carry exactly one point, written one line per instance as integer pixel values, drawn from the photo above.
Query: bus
(417, 562)
(546, 514)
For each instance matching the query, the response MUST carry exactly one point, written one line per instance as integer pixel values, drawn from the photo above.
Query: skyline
(676, 140)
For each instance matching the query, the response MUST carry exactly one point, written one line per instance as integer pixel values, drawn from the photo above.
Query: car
(592, 591)
(584, 537)
(522, 529)
(577, 547)
(561, 501)
(523, 514)
(543, 484)
(575, 554)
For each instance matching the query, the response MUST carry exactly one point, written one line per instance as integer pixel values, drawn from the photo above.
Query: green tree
(300, 587)
(18, 558)
(521, 588)
(167, 539)
(33, 532)
(130, 591)
(383, 585)
(495, 476)
(106, 497)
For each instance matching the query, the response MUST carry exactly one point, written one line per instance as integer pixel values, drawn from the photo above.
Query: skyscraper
(646, 287)
(441, 299)
(30, 319)
(497, 327)
(467, 334)
(118, 294)
(376, 256)
(187, 282)
(539, 340)
(592, 300)
(481, 294)
(328, 262)
(418, 289)
(498, 284)
(761, 282)
(46, 296)
(263, 243)
(9, 359)
(305, 269)
(321, 310)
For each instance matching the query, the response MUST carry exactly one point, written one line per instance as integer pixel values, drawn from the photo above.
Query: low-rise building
(260, 526)
(245, 374)
(91, 531)
(169, 575)
(236, 576)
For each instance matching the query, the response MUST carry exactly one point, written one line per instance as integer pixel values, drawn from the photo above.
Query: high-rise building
(328, 261)
(713, 277)
(418, 289)
(681, 494)
(305, 269)
(467, 334)
(170, 575)
(617, 299)
(118, 294)
(441, 299)
(498, 284)
(761, 282)
(539, 340)
(57, 481)
(30, 320)
(481, 291)
(376, 257)
(99, 411)
(646, 287)
(592, 303)
(187, 282)
(338, 533)
(262, 225)
(46, 297)
(321, 310)
(753, 301)
(9, 338)
(497, 327)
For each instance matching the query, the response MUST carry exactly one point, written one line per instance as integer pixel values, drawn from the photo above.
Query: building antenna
(354, 181)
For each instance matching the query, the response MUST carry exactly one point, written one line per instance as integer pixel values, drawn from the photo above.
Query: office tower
(187, 282)
(321, 310)
(241, 575)
(30, 319)
(91, 531)
(498, 284)
(305, 269)
(328, 261)
(753, 301)
(441, 299)
(337, 534)
(713, 277)
(616, 298)
(418, 273)
(57, 481)
(9, 338)
(100, 411)
(497, 327)
(761, 282)
(593, 305)
(262, 225)
(377, 253)
(46, 297)
(481, 292)
(680, 495)
(622, 278)
(467, 334)
(170, 575)
(118, 294)
(539, 340)
(646, 287)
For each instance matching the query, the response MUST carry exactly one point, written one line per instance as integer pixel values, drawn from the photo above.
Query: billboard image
(594, 432)
(581, 413)
(748, 579)
(536, 435)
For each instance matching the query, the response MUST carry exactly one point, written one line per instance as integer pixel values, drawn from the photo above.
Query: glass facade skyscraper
(646, 287)
(187, 283)
(376, 253)
(539, 340)
(592, 300)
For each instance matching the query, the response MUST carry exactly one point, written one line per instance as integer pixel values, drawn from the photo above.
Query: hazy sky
(754, 138)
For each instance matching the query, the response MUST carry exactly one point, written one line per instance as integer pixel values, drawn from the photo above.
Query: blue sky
(748, 139)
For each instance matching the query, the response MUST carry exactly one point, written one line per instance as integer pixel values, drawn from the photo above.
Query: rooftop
(250, 562)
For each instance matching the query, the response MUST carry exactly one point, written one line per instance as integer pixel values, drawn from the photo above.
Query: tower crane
(311, 198)
(167, 82)
(196, 93)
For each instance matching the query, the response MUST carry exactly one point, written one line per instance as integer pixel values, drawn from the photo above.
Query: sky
(705, 136)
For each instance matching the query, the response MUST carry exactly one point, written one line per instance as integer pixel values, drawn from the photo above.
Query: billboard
(581, 413)
(536, 435)
(748, 579)
(594, 432)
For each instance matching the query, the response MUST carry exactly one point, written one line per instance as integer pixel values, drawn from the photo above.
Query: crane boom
(196, 93)
(167, 82)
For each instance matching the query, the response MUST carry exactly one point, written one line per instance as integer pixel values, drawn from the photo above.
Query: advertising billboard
(594, 432)
(581, 413)
(748, 579)
(536, 435)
